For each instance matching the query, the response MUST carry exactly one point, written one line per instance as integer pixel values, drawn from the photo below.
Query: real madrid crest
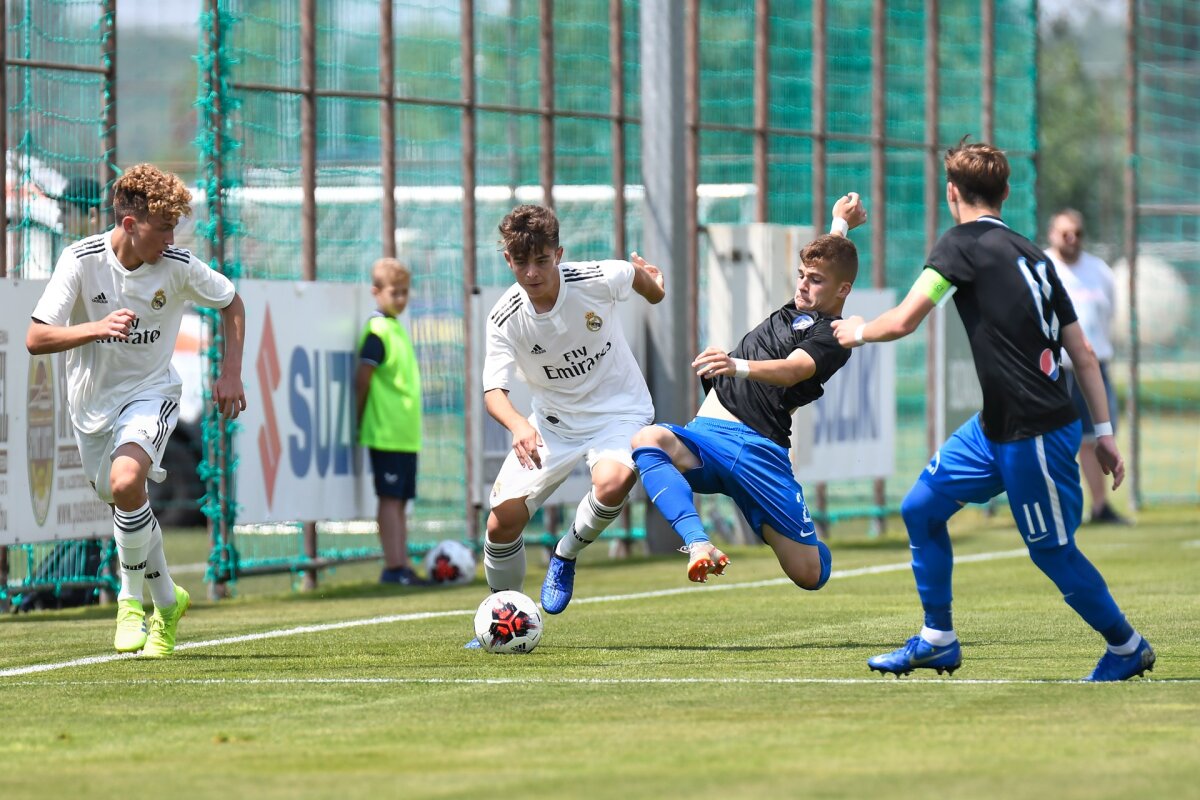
(593, 321)
(160, 300)
(802, 322)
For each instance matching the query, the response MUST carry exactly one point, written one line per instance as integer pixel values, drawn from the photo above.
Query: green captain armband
(934, 286)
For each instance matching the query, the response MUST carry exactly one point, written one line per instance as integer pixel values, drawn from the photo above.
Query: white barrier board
(44, 494)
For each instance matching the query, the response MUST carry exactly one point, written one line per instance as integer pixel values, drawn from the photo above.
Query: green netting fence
(1168, 248)
(261, 47)
(58, 106)
(60, 117)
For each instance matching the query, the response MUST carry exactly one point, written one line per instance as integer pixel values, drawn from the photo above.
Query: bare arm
(228, 391)
(1087, 372)
(525, 439)
(895, 323)
(647, 280)
(798, 366)
(362, 387)
(41, 338)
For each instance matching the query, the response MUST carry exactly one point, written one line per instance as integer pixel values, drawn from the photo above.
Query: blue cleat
(1113, 667)
(918, 654)
(473, 645)
(559, 584)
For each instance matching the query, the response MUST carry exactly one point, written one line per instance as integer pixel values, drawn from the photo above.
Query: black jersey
(767, 408)
(1014, 309)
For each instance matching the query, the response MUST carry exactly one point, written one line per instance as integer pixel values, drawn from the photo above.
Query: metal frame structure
(759, 130)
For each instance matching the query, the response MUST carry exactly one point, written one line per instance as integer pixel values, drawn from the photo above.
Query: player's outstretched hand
(116, 325)
(844, 330)
(526, 442)
(648, 279)
(713, 362)
(230, 395)
(850, 208)
(1110, 459)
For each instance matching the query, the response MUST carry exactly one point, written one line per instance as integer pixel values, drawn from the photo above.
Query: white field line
(929, 681)
(422, 615)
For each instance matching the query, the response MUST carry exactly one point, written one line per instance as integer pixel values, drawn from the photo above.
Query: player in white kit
(114, 303)
(557, 330)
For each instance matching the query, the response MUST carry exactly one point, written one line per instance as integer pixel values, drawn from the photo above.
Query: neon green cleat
(131, 626)
(163, 624)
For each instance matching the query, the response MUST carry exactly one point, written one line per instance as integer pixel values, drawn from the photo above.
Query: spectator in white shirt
(1090, 285)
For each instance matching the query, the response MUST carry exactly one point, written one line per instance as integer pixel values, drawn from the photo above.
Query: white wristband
(858, 333)
(741, 368)
(839, 227)
(1102, 429)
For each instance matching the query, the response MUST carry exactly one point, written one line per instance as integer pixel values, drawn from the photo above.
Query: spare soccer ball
(508, 622)
(450, 562)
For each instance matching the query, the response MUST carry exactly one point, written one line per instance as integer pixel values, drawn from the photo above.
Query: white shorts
(147, 422)
(559, 457)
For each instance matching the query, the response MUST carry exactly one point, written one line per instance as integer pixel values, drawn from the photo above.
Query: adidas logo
(100, 298)
(538, 350)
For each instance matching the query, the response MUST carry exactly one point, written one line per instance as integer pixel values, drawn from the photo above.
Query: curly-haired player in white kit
(114, 303)
(557, 330)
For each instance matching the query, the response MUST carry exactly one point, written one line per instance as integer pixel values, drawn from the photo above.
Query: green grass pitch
(745, 688)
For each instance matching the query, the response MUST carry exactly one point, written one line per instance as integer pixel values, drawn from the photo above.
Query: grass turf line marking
(927, 681)
(422, 615)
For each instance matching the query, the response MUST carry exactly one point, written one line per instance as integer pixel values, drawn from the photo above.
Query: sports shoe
(1112, 667)
(131, 626)
(402, 576)
(559, 584)
(164, 622)
(1107, 516)
(704, 559)
(918, 654)
(473, 645)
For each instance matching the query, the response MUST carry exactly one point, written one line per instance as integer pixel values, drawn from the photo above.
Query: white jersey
(88, 284)
(574, 357)
(1090, 285)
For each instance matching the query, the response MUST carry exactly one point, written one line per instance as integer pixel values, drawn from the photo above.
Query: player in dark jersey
(1018, 319)
(739, 441)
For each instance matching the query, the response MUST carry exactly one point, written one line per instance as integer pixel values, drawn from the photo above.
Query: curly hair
(837, 253)
(528, 230)
(145, 189)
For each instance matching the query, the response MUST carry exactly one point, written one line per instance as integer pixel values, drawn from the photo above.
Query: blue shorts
(1040, 475)
(1089, 430)
(395, 474)
(737, 461)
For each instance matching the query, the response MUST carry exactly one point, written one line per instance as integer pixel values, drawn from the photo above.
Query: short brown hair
(391, 270)
(1067, 212)
(528, 229)
(979, 171)
(145, 189)
(837, 253)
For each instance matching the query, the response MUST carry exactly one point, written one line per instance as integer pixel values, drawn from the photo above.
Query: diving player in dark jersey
(738, 443)
(1018, 319)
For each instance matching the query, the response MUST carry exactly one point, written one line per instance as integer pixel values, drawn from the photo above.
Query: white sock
(591, 518)
(1129, 647)
(504, 564)
(131, 530)
(938, 638)
(162, 588)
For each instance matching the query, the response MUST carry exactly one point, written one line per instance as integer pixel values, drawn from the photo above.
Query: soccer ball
(450, 562)
(508, 622)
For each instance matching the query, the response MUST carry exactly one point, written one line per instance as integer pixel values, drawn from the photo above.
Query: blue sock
(826, 565)
(925, 514)
(670, 493)
(1085, 591)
